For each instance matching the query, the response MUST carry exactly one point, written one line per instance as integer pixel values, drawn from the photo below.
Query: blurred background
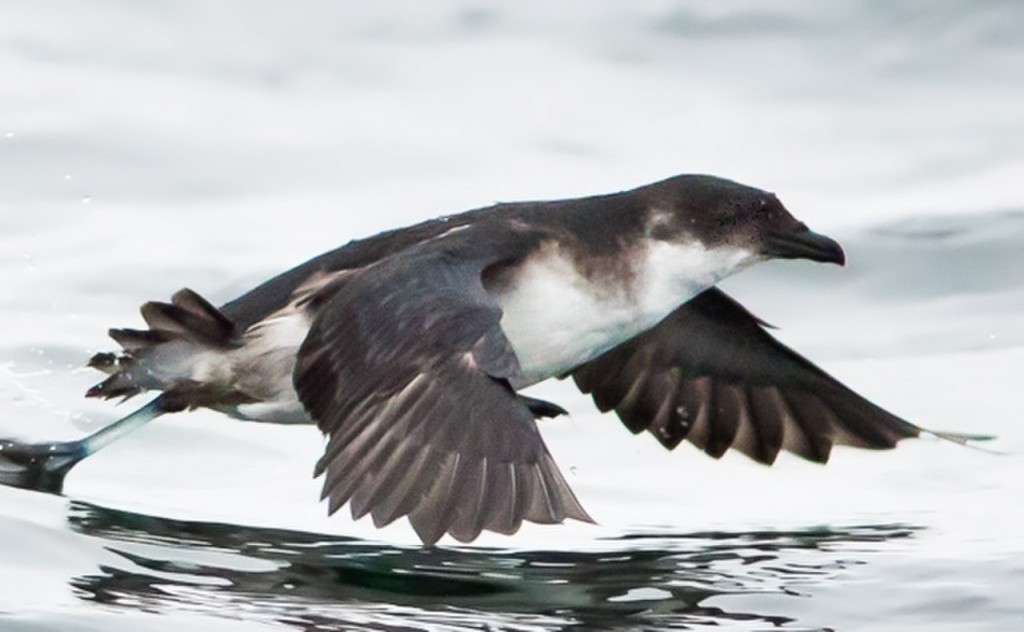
(149, 146)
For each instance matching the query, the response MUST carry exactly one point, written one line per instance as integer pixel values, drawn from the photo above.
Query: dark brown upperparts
(599, 232)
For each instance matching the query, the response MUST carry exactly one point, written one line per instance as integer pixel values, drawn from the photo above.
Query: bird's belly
(262, 368)
(550, 340)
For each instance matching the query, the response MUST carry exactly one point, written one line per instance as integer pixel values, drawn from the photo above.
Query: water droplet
(87, 199)
(8, 134)
(68, 176)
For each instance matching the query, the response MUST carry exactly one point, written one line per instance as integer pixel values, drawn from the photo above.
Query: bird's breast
(557, 315)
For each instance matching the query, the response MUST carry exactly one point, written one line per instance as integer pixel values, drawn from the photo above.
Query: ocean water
(149, 146)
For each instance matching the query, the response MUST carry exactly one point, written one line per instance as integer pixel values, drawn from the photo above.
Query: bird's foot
(38, 466)
(541, 408)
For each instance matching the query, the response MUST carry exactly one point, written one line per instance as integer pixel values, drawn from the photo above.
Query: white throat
(674, 273)
(556, 318)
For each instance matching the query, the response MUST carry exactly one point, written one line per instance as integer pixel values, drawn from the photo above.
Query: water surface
(149, 146)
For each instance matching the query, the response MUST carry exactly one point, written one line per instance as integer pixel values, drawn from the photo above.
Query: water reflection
(316, 582)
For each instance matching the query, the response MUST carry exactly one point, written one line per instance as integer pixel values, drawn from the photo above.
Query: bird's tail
(188, 323)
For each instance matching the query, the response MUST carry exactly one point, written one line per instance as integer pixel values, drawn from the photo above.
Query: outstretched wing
(407, 371)
(710, 373)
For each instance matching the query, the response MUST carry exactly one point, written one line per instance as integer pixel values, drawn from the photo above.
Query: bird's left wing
(710, 373)
(407, 371)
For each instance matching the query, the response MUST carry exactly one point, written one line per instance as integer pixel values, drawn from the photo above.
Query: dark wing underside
(407, 371)
(711, 374)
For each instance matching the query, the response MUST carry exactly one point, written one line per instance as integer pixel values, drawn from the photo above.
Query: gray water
(150, 146)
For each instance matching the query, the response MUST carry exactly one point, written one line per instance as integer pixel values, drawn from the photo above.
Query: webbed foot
(38, 466)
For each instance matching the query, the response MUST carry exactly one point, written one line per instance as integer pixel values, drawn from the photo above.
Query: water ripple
(316, 582)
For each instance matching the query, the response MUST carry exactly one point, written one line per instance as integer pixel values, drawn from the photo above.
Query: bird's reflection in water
(318, 582)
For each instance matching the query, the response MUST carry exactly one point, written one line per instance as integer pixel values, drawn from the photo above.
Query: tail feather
(188, 316)
(136, 339)
(120, 382)
(118, 385)
(106, 362)
(200, 307)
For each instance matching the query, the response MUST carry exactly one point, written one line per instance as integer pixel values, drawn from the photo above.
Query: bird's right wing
(407, 371)
(711, 374)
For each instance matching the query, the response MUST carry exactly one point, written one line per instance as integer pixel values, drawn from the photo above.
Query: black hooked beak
(802, 243)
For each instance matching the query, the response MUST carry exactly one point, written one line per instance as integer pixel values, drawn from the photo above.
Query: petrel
(409, 350)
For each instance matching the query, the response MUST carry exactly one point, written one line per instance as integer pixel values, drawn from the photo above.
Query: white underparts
(265, 364)
(556, 318)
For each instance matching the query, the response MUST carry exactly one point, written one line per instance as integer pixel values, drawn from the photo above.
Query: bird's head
(722, 214)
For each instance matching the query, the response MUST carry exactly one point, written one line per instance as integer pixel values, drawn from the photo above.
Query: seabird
(408, 350)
